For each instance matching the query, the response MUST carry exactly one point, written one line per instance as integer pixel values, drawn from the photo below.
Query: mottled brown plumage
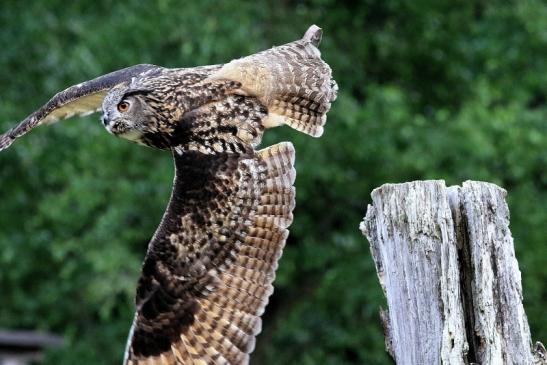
(209, 268)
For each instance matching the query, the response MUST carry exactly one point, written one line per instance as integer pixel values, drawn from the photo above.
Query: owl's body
(209, 268)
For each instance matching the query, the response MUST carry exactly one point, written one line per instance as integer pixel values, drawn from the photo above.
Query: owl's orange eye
(123, 106)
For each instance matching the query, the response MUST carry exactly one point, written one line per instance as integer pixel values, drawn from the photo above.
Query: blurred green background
(429, 89)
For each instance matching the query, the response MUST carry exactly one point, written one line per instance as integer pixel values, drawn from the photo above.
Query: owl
(209, 268)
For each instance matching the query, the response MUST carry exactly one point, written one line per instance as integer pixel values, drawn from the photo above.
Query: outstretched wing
(81, 99)
(291, 81)
(209, 269)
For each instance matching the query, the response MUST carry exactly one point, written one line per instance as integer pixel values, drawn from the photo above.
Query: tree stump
(446, 263)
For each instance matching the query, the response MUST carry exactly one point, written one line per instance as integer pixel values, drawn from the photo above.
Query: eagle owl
(210, 265)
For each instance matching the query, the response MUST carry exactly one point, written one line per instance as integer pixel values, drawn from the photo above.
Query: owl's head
(127, 114)
(143, 115)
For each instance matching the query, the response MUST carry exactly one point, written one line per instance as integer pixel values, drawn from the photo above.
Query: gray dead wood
(446, 262)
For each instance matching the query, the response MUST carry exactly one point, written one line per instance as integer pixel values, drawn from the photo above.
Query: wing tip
(6, 140)
(313, 35)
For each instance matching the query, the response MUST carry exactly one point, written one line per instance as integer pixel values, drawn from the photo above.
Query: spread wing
(210, 266)
(291, 80)
(81, 99)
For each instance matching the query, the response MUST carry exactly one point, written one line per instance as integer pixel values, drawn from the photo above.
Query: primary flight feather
(209, 268)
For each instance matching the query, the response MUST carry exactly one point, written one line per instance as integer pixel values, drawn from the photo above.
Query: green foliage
(428, 90)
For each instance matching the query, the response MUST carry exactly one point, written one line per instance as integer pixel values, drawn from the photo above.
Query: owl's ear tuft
(313, 35)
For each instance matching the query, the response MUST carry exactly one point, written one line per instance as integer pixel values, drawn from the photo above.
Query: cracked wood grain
(446, 262)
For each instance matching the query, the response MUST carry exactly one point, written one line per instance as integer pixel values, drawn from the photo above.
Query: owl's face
(126, 114)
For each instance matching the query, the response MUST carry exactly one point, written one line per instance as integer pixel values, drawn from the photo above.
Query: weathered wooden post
(446, 262)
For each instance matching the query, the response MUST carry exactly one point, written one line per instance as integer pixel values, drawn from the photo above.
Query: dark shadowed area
(450, 90)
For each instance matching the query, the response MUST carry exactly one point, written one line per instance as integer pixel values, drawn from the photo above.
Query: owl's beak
(105, 118)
